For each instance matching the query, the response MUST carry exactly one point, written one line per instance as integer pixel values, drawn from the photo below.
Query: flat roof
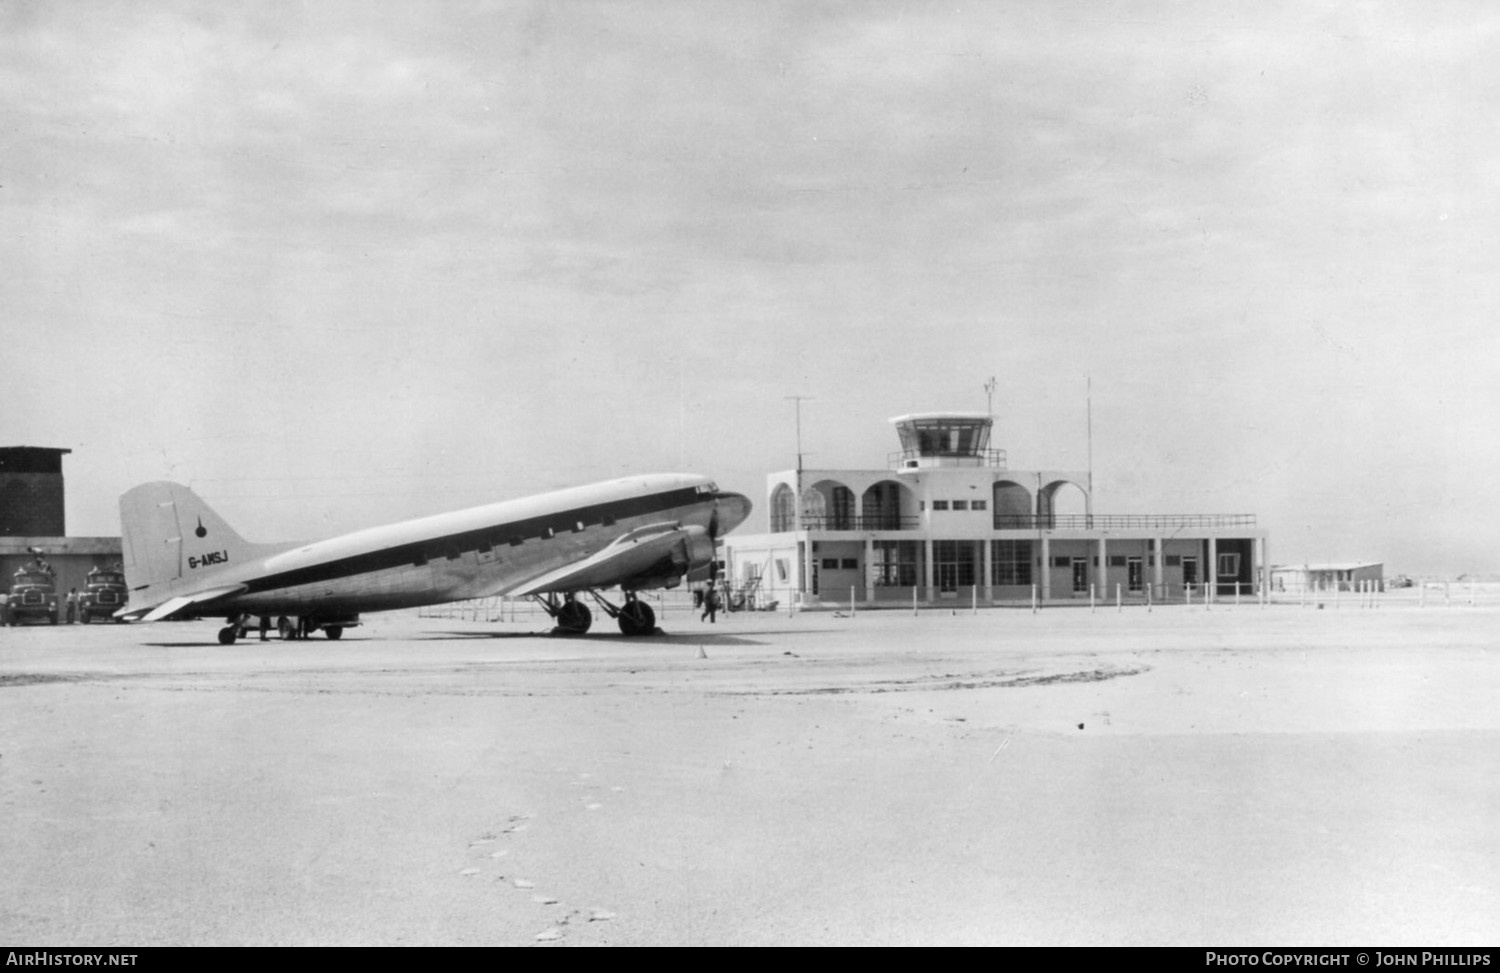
(1330, 566)
(31, 459)
(959, 416)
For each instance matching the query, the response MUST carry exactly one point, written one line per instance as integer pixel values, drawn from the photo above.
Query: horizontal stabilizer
(627, 558)
(177, 606)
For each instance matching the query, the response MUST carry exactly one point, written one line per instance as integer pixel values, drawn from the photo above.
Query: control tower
(931, 439)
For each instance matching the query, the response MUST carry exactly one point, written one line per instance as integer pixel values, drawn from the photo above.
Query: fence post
(851, 601)
(1119, 605)
(1033, 599)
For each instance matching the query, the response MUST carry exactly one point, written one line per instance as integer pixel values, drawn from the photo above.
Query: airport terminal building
(946, 521)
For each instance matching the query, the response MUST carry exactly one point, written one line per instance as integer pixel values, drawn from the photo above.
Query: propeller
(730, 510)
(713, 536)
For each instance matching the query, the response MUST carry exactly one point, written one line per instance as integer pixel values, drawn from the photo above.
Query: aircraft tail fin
(172, 541)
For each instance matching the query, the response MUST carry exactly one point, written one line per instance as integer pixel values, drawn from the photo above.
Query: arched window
(882, 506)
(783, 509)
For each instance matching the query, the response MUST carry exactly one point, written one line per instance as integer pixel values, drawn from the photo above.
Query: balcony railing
(1161, 522)
(851, 522)
(1122, 521)
(901, 458)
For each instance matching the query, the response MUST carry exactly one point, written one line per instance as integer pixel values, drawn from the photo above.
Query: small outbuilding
(1349, 576)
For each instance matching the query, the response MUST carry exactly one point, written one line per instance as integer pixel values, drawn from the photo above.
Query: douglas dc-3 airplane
(183, 561)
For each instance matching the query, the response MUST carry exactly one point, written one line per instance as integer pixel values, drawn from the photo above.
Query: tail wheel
(637, 618)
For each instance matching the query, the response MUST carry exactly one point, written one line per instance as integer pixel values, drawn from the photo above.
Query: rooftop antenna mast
(799, 399)
(989, 396)
(1089, 395)
(797, 501)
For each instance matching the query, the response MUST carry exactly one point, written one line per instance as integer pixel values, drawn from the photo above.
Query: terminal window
(1010, 562)
(954, 563)
(894, 564)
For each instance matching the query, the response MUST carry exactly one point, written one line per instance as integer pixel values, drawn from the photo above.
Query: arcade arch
(883, 505)
(1012, 506)
(1056, 499)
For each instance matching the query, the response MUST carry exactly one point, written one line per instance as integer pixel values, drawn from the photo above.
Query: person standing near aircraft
(710, 603)
(72, 605)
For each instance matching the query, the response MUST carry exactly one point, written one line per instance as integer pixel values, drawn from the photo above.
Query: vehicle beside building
(33, 596)
(104, 594)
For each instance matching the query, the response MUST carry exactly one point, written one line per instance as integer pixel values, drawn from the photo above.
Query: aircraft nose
(731, 509)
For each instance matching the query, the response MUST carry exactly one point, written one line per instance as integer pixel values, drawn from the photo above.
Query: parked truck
(104, 594)
(33, 595)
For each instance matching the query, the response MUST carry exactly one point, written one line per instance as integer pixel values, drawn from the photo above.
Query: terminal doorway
(947, 578)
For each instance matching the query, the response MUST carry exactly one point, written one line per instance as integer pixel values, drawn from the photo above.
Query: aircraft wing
(177, 606)
(632, 558)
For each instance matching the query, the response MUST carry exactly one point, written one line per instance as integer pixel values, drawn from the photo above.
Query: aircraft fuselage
(533, 545)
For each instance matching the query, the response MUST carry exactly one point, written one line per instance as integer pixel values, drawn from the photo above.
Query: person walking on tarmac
(710, 603)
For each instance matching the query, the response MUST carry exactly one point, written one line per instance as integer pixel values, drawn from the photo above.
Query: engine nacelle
(691, 557)
(697, 553)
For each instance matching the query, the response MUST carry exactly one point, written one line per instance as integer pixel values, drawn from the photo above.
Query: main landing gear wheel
(333, 631)
(228, 634)
(637, 618)
(285, 629)
(574, 617)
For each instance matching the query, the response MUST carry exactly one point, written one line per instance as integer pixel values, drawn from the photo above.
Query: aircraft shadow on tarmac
(659, 638)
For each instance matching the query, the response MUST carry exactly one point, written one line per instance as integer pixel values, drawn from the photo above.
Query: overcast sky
(334, 264)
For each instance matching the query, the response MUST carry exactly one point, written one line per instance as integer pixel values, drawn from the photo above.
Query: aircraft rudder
(169, 533)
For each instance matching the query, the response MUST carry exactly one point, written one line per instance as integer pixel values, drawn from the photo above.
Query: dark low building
(31, 492)
(33, 523)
